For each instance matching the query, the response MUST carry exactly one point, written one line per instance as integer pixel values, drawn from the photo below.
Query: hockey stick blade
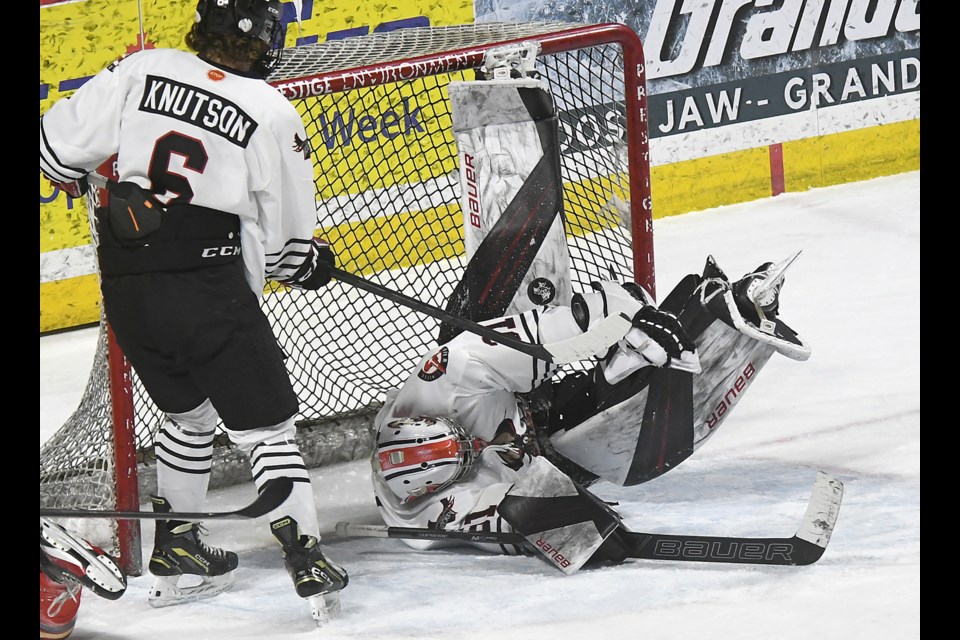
(586, 345)
(275, 493)
(804, 548)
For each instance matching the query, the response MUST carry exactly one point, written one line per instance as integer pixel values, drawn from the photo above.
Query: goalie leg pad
(564, 522)
(731, 361)
(508, 148)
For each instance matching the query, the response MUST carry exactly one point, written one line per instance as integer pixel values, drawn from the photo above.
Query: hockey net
(378, 120)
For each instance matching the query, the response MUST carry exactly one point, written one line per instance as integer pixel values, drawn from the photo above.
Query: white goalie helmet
(421, 455)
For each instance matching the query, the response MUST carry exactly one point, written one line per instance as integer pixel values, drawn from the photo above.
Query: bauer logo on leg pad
(564, 522)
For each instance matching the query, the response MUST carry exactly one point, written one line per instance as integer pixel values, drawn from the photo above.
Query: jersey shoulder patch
(434, 365)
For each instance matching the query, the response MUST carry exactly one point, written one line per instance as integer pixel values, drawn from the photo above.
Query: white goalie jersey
(194, 133)
(474, 381)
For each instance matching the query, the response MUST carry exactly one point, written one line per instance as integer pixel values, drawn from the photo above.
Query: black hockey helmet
(254, 20)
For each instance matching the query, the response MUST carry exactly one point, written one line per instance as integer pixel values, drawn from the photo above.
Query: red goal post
(378, 122)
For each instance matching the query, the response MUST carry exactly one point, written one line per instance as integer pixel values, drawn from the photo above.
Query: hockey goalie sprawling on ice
(485, 438)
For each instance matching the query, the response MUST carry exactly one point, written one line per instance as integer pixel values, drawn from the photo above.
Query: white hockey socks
(184, 449)
(274, 453)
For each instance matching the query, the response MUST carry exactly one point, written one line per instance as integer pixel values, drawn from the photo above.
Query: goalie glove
(656, 337)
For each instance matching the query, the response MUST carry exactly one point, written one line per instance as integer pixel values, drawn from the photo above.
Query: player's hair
(224, 46)
(239, 32)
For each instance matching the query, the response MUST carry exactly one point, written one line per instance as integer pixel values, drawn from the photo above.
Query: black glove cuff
(322, 271)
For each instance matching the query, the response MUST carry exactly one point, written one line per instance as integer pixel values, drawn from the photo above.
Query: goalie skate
(751, 305)
(64, 555)
(761, 290)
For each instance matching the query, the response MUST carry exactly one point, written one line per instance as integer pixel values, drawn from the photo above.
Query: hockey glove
(73, 188)
(660, 339)
(324, 260)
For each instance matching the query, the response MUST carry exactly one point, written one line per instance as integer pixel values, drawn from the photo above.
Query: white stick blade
(822, 510)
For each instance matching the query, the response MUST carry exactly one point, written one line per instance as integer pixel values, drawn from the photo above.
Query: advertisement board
(746, 98)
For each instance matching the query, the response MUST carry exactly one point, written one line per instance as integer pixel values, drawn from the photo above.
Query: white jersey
(474, 380)
(196, 133)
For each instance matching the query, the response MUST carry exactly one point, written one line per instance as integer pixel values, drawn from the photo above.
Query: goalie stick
(275, 493)
(805, 547)
(585, 346)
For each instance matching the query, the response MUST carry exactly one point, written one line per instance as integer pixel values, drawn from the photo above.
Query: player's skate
(65, 556)
(751, 305)
(178, 551)
(315, 578)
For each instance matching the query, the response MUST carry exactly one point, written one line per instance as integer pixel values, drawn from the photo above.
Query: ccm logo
(552, 552)
(473, 194)
(217, 252)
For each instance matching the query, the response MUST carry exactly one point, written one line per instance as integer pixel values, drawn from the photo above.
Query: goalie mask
(417, 456)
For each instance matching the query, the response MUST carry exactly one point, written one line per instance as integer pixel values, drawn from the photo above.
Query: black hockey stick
(351, 530)
(275, 492)
(805, 547)
(587, 345)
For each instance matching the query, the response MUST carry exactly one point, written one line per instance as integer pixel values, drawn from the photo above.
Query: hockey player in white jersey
(213, 195)
(485, 438)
